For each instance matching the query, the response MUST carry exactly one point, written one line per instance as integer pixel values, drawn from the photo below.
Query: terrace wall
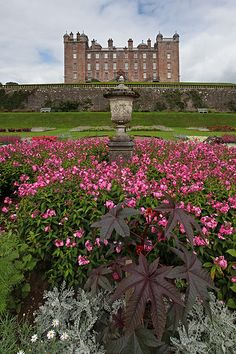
(153, 97)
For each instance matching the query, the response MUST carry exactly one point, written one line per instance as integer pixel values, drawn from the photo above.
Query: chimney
(149, 43)
(130, 43)
(110, 43)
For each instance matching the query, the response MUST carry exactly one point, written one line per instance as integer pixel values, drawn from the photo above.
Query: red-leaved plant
(154, 302)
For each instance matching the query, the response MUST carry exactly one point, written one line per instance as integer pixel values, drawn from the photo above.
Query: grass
(64, 121)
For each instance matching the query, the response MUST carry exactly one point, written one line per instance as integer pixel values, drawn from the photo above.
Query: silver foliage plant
(65, 323)
(206, 335)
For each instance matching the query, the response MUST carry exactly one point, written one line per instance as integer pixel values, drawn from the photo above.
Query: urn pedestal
(121, 105)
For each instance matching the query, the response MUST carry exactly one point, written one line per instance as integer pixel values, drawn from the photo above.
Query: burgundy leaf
(178, 216)
(149, 284)
(114, 220)
(197, 278)
(97, 279)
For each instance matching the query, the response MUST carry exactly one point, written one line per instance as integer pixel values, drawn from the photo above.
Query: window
(135, 66)
(106, 55)
(97, 55)
(168, 66)
(89, 74)
(89, 55)
(114, 66)
(89, 66)
(144, 75)
(126, 66)
(154, 55)
(74, 56)
(97, 66)
(154, 76)
(126, 55)
(135, 55)
(144, 66)
(154, 66)
(168, 75)
(144, 55)
(97, 75)
(74, 76)
(106, 66)
(168, 55)
(114, 55)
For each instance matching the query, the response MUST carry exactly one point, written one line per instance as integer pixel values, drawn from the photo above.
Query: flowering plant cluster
(61, 188)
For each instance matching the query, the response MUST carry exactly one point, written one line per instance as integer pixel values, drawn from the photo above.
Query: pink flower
(221, 261)
(109, 204)
(98, 242)
(198, 241)
(88, 246)
(5, 209)
(59, 243)
(82, 260)
(7, 200)
(47, 228)
(233, 279)
(79, 233)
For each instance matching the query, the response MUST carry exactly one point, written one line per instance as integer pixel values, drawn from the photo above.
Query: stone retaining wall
(151, 98)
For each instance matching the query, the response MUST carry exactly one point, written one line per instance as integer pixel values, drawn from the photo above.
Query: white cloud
(32, 30)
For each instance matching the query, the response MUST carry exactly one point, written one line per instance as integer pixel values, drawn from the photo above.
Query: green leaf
(233, 287)
(231, 303)
(232, 252)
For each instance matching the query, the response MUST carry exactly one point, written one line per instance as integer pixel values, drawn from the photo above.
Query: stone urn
(121, 105)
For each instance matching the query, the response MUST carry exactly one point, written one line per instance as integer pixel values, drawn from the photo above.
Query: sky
(31, 34)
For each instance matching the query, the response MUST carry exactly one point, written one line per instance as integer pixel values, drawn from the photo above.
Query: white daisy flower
(64, 336)
(34, 338)
(21, 352)
(55, 323)
(51, 334)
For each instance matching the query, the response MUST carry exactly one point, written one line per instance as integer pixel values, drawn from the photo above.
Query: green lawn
(63, 122)
(69, 120)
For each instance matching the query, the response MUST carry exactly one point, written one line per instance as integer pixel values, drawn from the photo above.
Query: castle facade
(86, 63)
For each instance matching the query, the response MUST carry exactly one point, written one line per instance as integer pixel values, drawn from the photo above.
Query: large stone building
(84, 62)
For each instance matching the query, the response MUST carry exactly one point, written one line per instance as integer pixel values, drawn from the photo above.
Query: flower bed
(60, 188)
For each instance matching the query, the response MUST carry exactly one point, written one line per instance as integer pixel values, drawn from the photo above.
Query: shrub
(11, 139)
(221, 128)
(215, 335)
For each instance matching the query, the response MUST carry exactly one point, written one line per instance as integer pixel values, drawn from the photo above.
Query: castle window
(106, 66)
(114, 66)
(144, 66)
(154, 66)
(75, 76)
(74, 56)
(154, 55)
(144, 75)
(135, 66)
(144, 55)
(97, 66)
(106, 55)
(114, 55)
(126, 66)
(97, 74)
(154, 76)
(97, 55)
(126, 55)
(135, 55)
(89, 55)
(168, 55)
(168, 66)
(168, 75)
(89, 66)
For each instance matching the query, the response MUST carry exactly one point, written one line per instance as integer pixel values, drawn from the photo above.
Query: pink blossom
(5, 209)
(79, 233)
(88, 246)
(49, 213)
(109, 204)
(198, 241)
(98, 242)
(7, 200)
(59, 243)
(82, 260)
(233, 279)
(47, 228)
(221, 261)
